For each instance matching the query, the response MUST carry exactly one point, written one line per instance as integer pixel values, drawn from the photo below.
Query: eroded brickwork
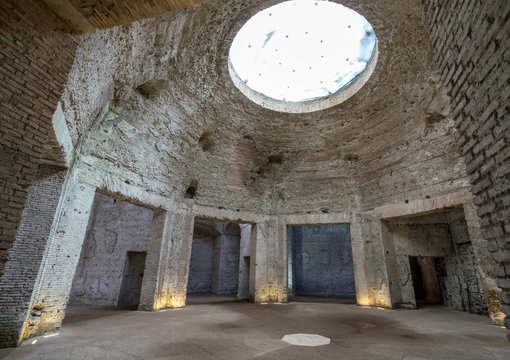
(27, 254)
(35, 58)
(471, 44)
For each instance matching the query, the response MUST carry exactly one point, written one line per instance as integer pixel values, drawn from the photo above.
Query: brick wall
(35, 58)
(471, 45)
(21, 271)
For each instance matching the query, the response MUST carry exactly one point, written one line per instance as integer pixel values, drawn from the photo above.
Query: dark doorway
(132, 279)
(320, 261)
(427, 289)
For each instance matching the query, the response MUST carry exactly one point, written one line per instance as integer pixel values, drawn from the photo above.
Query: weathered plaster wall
(115, 227)
(471, 43)
(36, 55)
(321, 260)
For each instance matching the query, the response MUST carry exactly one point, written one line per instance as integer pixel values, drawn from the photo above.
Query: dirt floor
(231, 329)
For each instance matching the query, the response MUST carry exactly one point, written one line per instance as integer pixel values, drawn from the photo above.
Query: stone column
(268, 266)
(359, 263)
(38, 278)
(375, 263)
(167, 266)
(487, 266)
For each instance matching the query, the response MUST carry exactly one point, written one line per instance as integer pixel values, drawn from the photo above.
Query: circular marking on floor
(306, 339)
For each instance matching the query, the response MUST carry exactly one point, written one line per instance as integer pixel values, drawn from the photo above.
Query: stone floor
(240, 330)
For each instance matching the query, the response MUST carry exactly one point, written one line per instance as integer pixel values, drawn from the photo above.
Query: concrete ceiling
(88, 15)
(173, 116)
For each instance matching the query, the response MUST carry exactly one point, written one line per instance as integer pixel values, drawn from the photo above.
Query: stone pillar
(167, 265)
(375, 264)
(38, 278)
(26, 255)
(359, 263)
(487, 266)
(268, 265)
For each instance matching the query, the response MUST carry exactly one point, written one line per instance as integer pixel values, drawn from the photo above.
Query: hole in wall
(191, 190)
(275, 159)
(151, 89)
(206, 142)
(351, 157)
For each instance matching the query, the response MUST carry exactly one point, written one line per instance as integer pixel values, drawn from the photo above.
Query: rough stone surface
(442, 235)
(36, 55)
(148, 113)
(26, 256)
(471, 42)
(115, 227)
(214, 263)
(62, 252)
(149, 99)
(321, 260)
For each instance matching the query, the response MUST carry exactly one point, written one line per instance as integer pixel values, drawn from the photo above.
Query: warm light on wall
(170, 300)
(271, 293)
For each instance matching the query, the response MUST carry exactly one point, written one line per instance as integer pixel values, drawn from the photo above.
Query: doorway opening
(435, 262)
(112, 261)
(320, 263)
(219, 268)
(427, 290)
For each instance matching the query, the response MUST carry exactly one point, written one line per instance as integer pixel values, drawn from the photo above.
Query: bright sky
(302, 49)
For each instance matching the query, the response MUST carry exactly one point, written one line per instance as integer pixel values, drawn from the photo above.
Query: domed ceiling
(152, 103)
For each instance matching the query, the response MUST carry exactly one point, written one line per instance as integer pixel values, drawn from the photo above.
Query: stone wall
(471, 43)
(201, 265)
(35, 57)
(160, 115)
(214, 263)
(442, 235)
(321, 260)
(26, 256)
(115, 227)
